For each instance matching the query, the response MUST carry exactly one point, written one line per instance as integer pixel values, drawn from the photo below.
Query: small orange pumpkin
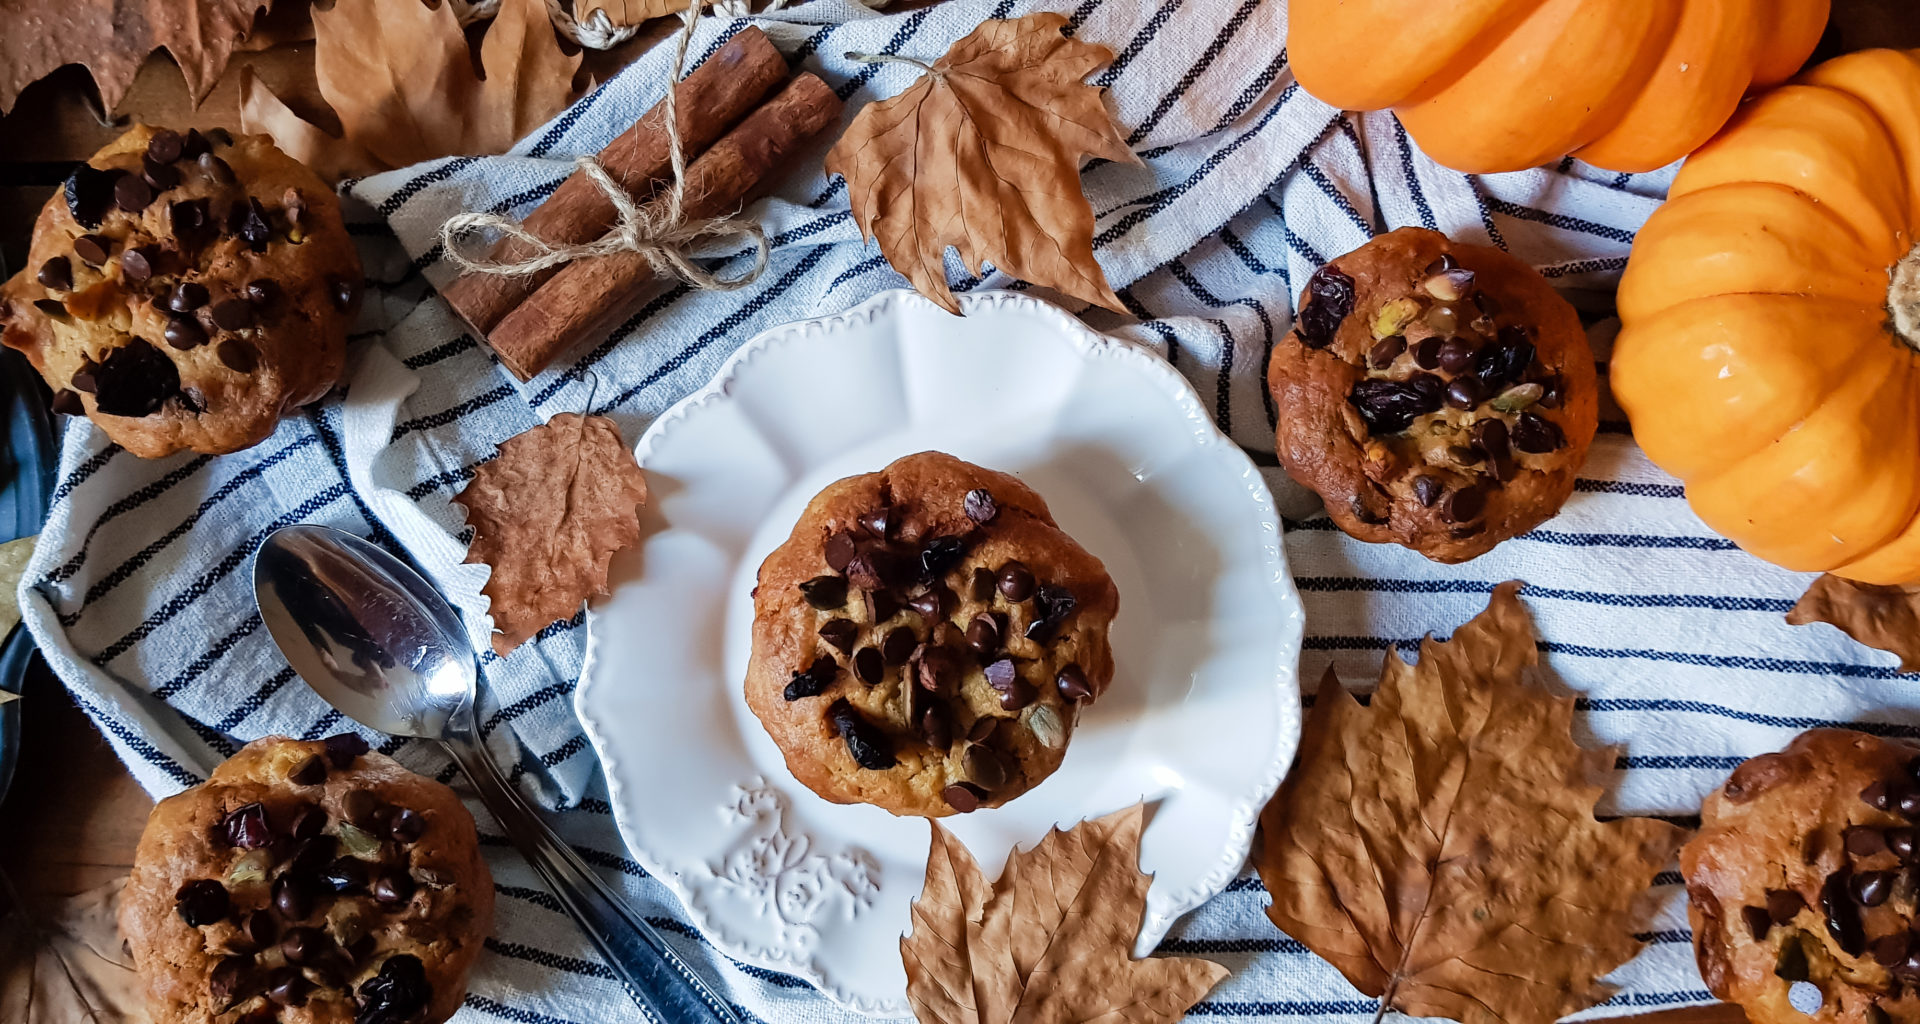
(1500, 85)
(1770, 353)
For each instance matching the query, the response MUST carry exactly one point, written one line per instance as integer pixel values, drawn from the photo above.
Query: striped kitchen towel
(139, 593)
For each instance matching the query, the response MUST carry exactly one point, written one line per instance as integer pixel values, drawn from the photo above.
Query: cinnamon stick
(709, 101)
(589, 297)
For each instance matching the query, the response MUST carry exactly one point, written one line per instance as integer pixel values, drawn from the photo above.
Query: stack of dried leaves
(548, 515)
(114, 37)
(983, 154)
(1051, 942)
(401, 79)
(1439, 847)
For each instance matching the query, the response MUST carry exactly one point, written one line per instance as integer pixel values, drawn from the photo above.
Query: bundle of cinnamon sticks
(742, 121)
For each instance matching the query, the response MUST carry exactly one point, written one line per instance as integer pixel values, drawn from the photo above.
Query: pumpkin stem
(1903, 297)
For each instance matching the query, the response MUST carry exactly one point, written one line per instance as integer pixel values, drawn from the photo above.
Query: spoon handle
(653, 973)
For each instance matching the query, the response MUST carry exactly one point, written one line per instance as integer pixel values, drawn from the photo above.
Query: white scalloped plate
(1204, 711)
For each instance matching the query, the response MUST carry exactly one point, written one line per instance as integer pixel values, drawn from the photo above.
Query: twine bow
(659, 232)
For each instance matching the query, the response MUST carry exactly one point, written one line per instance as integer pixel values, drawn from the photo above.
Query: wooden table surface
(74, 815)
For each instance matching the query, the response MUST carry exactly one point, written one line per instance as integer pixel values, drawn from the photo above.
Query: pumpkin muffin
(1804, 882)
(307, 883)
(925, 638)
(186, 291)
(1434, 394)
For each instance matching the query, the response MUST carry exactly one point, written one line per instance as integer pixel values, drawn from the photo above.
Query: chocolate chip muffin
(926, 637)
(1434, 394)
(1804, 882)
(308, 883)
(186, 291)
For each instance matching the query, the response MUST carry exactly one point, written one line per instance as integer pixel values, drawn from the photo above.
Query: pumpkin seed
(358, 842)
(250, 868)
(1046, 727)
(1518, 397)
(1393, 316)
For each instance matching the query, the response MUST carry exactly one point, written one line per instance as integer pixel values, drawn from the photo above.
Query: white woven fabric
(140, 594)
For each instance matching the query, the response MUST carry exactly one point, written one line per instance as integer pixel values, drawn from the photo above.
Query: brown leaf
(1439, 847)
(624, 13)
(401, 79)
(72, 968)
(1051, 942)
(1882, 617)
(983, 153)
(548, 515)
(114, 37)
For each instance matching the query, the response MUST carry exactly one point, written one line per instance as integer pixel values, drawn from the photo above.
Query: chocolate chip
(290, 988)
(1385, 351)
(932, 602)
(1389, 406)
(939, 555)
(1891, 949)
(1053, 604)
(880, 606)
(217, 170)
(874, 569)
(1901, 842)
(1001, 674)
(1862, 841)
(397, 994)
(983, 728)
(1455, 355)
(132, 194)
(1464, 505)
(140, 263)
(1757, 921)
(233, 314)
(69, 403)
(192, 399)
(249, 222)
(986, 632)
(935, 669)
(1490, 436)
(89, 193)
(985, 766)
(263, 292)
(165, 146)
(246, 827)
(343, 292)
(189, 218)
(1329, 301)
(56, 274)
(406, 826)
(813, 680)
(309, 820)
(303, 945)
(1464, 393)
(1426, 354)
(839, 551)
(193, 144)
(877, 521)
(53, 308)
(869, 746)
(238, 356)
(360, 807)
(980, 506)
(93, 249)
(159, 176)
(963, 797)
(342, 749)
(1907, 800)
(1072, 684)
(393, 888)
(1016, 582)
(86, 378)
(202, 902)
(841, 633)
(293, 896)
(184, 333)
(1427, 490)
(1536, 435)
(134, 380)
(1871, 888)
(1504, 362)
(898, 645)
(1842, 914)
(936, 725)
(346, 874)
(229, 983)
(980, 585)
(868, 666)
(187, 296)
(1556, 387)
(219, 136)
(826, 593)
(312, 856)
(1878, 795)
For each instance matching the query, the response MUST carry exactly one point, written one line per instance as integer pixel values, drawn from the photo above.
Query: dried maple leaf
(1052, 942)
(72, 967)
(548, 515)
(1439, 847)
(983, 153)
(114, 37)
(1882, 617)
(402, 81)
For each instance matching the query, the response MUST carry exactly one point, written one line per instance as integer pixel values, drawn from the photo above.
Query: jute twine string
(660, 232)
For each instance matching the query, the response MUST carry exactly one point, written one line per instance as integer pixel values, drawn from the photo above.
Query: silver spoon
(379, 643)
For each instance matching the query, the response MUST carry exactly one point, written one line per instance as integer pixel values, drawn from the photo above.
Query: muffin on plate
(1434, 394)
(307, 883)
(1804, 882)
(925, 638)
(186, 291)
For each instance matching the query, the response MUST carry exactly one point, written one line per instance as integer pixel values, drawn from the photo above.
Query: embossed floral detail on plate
(780, 874)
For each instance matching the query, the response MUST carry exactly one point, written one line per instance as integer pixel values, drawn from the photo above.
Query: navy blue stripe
(900, 38)
(1581, 540)
(1716, 602)
(135, 742)
(240, 553)
(861, 268)
(446, 416)
(551, 961)
(337, 454)
(1556, 220)
(1338, 198)
(127, 504)
(1797, 723)
(512, 1013)
(1486, 213)
(1592, 266)
(1280, 1008)
(525, 704)
(1794, 666)
(1628, 487)
(85, 469)
(439, 352)
(323, 726)
(458, 475)
(1662, 762)
(1139, 42)
(1191, 75)
(392, 204)
(1412, 178)
(205, 660)
(256, 699)
(619, 334)
(567, 120)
